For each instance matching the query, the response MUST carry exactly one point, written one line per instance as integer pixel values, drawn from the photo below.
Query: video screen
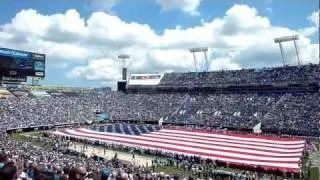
(39, 66)
(14, 63)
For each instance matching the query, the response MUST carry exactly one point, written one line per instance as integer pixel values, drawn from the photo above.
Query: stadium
(249, 123)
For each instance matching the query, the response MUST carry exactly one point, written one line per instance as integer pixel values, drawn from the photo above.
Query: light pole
(123, 57)
(202, 49)
(293, 38)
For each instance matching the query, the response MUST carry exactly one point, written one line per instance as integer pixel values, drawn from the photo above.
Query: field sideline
(109, 154)
(102, 152)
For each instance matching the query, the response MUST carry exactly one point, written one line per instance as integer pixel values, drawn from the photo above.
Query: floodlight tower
(201, 49)
(194, 59)
(123, 57)
(293, 38)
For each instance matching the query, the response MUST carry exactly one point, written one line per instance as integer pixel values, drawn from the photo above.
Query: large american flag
(267, 152)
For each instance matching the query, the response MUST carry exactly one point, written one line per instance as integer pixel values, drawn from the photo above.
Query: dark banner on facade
(13, 79)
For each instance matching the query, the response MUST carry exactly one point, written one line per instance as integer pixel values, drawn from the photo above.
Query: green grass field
(314, 173)
(33, 138)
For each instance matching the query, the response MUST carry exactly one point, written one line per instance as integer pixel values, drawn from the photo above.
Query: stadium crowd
(284, 112)
(290, 113)
(147, 107)
(27, 111)
(265, 76)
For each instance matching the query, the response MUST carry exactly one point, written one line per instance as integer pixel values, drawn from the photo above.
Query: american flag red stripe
(267, 152)
(227, 144)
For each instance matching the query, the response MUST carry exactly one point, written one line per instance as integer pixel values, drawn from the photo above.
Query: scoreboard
(16, 63)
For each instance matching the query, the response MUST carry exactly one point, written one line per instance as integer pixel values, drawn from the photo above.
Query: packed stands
(292, 109)
(266, 76)
(25, 112)
(294, 113)
(228, 110)
(288, 113)
(147, 107)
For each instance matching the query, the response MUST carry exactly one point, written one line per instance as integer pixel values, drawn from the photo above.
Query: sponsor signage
(145, 79)
(14, 53)
(39, 74)
(40, 57)
(13, 73)
(14, 79)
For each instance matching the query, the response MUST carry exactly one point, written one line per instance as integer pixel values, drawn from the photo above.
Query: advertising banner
(145, 79)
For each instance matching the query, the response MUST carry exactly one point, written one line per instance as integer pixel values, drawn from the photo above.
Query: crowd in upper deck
(266, 76)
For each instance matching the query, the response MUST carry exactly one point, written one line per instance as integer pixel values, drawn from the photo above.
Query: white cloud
(239, 39)
(314, 18)
(187, 6)
(57, 35)
(97, 69)
(223, 63)
(171, 59)
(308, 31)
(56, 27)
(111, 30)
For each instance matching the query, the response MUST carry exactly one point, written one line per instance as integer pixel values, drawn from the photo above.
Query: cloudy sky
(82, 38)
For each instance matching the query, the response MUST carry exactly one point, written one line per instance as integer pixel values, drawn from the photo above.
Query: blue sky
(289, 13)
(282, 16)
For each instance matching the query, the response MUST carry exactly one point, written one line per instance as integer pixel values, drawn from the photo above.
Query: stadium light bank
(293, 38)
(199, 49)
(123, 57)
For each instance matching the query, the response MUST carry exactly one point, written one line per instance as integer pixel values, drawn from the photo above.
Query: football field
(109, 154)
